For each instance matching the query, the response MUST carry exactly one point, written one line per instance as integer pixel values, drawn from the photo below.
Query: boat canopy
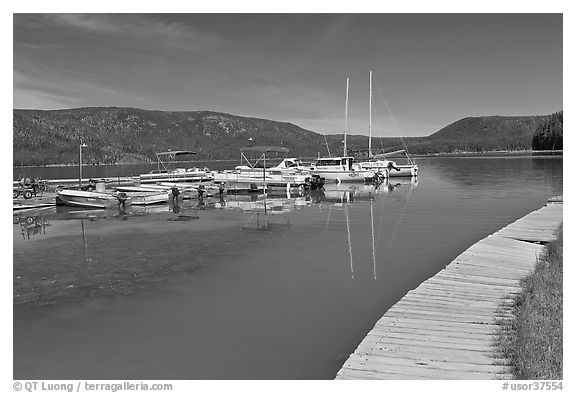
(261, 154)
(174, 153)
(167, 159)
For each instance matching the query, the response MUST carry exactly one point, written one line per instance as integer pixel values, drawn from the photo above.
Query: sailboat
(379, 162)
(342, 169)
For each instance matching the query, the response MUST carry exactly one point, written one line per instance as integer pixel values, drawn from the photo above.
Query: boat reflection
(343, 196)
(268, 204)
(346, 192)
(268, 212)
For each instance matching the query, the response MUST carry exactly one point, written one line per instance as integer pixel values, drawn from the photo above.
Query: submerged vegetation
(532, 338)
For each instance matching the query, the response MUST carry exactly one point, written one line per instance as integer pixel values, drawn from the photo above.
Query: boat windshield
(329, 161)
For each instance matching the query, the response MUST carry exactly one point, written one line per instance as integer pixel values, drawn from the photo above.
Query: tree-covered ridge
(548, 135)
(127, 135)
(486, 133)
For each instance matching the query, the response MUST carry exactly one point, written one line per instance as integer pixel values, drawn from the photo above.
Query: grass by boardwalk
(532, 338)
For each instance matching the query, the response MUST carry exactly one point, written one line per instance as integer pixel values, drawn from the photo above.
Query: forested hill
(124, 135)
(487, 133)
(132, 135)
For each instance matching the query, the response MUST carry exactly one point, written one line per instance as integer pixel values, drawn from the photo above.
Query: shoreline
(494, 153)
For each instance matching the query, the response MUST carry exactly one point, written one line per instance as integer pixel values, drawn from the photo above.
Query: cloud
(146, 28)
(44, 89)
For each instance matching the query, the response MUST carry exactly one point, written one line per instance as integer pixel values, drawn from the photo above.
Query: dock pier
(445, 328)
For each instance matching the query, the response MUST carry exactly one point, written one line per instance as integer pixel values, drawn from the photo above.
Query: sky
(429, 70)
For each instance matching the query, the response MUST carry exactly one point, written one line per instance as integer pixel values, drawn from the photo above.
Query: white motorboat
(147, 197)
(341, 169)
(167, 172)
(290, 173)
(79, 198)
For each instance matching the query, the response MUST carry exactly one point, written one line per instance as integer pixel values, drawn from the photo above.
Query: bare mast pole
(346, 118)
(370, 121)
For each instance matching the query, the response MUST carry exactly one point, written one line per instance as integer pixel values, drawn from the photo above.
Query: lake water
(222, 290)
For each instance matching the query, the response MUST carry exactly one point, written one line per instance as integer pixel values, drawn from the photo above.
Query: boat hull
(404, 171)
(345, 176)
(77, 198)
(196, 176)
(148, 198)
(391, 169)
(256, 180)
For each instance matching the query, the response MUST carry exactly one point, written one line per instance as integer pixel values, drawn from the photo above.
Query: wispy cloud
(144, 28)
(47, 90)
(149, 29)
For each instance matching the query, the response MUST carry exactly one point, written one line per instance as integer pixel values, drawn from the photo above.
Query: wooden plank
(497, 270)
(473, 292)
(460, 355)
(484, 362)
(426, 324)
(441, 313)
(488, 271)
(432, 338)
(349, 373)
(463, 295)
(415, 299)
(440, 317)
(430, 363)
(453, 309)
(417, 371)
(446, 327)
(470, 278)
(452, 303)
(446, 332)
(449, 283)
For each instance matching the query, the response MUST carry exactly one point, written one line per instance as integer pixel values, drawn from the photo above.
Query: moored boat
(289, 174)
(341, 169)
(392, 169)
(379, 162)
(78, 198)
(167, 172)
(148, 198)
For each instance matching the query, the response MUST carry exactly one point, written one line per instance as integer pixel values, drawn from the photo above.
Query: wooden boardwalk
(445, 328)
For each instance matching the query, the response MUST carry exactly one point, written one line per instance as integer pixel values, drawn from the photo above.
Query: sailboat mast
(346, 117)
(370, 120)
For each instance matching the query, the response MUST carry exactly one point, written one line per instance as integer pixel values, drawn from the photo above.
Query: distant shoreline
(496, 153)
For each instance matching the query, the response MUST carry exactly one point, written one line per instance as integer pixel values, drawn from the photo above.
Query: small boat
(145, 195)
(167, 172)
(79, 198)
(342, 169)
(289, 174)
(380, 163)
(148, 198)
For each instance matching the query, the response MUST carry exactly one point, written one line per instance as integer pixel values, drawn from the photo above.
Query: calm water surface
(213, 292)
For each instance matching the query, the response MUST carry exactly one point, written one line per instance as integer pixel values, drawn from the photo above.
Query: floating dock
(446, 327)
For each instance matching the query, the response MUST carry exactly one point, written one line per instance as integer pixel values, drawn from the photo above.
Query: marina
(267, 195)
(285, 268)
